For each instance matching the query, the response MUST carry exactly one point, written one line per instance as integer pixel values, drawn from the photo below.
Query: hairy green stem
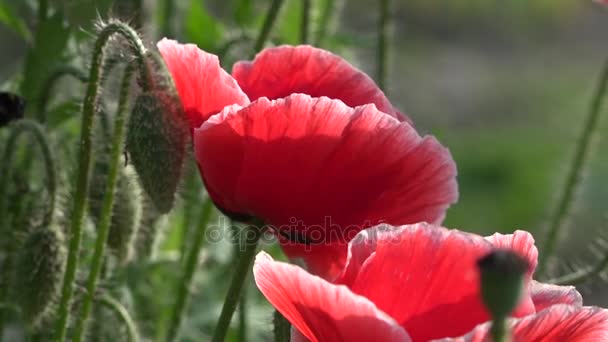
(384, 22)
(40, 137)
(45, 95)
(249, 243)
(305, 21)
(107, 205)
(190, 267)
(577, 166)
(271, 17)
(90, 103)
(122, 314)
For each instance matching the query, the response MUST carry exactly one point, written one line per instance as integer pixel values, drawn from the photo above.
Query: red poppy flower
(321, 171)
(203, 86)
(419, 283)
(284, 70)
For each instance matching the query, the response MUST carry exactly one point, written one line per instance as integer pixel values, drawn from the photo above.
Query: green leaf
(47, 52)
(202, 28)
(63, 111)
(288, 28)
(243, 13)
(13, 21)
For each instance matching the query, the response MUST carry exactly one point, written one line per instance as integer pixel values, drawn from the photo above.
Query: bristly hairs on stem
(90, 103)
(108, 203)
(579, 162)
(584, 272)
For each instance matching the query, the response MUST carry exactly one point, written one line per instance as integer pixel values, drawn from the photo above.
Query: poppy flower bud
(157, 135)
(502, 274)
(39, 267)
(126, 212)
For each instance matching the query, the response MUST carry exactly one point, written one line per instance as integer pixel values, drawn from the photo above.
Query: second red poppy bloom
(318, 169)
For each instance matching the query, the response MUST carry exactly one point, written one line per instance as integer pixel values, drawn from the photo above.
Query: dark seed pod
(39, 268)
(157, 135)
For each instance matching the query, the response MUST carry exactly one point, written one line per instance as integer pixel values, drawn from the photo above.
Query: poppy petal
(320, 310)
(558, 323)
(203, 86)
(421, 275)
(317, 168)
(546, 295)
(284, 70)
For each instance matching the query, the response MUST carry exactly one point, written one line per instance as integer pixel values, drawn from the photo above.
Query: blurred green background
(505, 85)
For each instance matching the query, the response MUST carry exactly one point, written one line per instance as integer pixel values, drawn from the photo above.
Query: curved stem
(189, 270)
(90, 102)
(579, 162)
(37, 132)
(581, 275)
(251, 235)
(108, 204)
(48, 87)
(382, 52)
(305, 21)
(122, 314)
(271, 17)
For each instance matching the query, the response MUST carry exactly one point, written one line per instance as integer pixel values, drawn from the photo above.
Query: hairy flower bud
(39, 268)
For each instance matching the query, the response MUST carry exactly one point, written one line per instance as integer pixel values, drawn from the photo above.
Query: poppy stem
(271, 17)
(384, 22)
(85, 153)
(578, 164)
(498, 331)
(190, 266)
(37, 131)
(122, 314)
(108, 203)
(45, 95)
(248, 246)
(305, 21)
(242, 306)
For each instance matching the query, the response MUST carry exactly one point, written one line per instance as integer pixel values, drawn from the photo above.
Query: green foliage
(202, 28)
(48, 52)
(9, 17)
